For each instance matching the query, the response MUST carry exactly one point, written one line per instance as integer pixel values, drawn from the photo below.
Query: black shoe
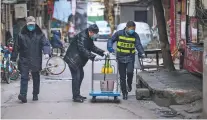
(78, 99)
(125, 96)
(129, 88)
(35, 97)
(23, 98)
(83, 97)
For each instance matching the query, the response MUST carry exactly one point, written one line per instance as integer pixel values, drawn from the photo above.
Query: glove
(46, 56)
(143, 55)
(106, 53)
(111, 50)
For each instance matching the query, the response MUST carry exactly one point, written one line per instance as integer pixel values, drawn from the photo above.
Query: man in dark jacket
(127, 40)
(77, 55)
(29, 45)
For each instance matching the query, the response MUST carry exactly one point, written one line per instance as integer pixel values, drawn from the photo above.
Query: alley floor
(55, 101)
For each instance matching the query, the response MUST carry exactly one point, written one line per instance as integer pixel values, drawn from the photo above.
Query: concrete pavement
(55, 101)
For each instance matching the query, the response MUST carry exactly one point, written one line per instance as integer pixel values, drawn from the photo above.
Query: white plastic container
(107, 86)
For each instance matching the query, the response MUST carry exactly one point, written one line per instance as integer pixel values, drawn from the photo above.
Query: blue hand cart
(103, 77)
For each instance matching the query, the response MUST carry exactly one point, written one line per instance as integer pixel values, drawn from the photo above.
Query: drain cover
(166, 113)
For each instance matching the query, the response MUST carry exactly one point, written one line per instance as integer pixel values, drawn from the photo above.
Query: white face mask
(94, 36)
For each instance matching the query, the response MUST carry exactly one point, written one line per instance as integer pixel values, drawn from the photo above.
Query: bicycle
(55, 65)
(9, 70)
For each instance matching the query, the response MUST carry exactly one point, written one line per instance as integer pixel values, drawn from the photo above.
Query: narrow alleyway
(55, 101)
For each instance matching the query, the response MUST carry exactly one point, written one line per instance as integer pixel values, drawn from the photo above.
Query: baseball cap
(30, 20)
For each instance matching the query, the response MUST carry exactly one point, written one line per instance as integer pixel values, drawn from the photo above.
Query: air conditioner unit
(20, 10)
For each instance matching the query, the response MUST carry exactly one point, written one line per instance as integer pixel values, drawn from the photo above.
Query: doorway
(140, 16)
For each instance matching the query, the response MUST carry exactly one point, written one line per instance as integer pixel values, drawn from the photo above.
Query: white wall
(95, 9)
(192, 11)
(205, 3)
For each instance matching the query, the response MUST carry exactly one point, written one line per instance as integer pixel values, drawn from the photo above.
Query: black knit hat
(130, 24)
(93, 28)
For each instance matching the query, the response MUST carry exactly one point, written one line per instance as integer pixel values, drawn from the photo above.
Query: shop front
(191, 37)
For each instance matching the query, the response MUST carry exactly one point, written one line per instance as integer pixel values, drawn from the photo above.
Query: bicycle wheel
(14, 75)
(55, 65)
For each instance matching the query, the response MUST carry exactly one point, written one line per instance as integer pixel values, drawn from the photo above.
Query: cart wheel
(116, 100)
(93, 99)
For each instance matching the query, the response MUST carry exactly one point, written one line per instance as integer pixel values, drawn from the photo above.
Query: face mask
(131, 32)
(94, 36)
(30, 27)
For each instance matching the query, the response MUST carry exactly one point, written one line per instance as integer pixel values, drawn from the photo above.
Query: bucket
(107, 86)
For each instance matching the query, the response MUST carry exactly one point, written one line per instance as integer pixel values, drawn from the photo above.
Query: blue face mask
(131, 32)
(30, 27)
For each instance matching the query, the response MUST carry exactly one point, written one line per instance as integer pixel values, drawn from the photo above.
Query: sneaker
(129, 88)
(23, 98)
(35, 97)
(125, 96)
(78, 99)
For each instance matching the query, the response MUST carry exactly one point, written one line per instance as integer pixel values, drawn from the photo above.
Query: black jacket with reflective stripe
(126, 45)
(123, 57)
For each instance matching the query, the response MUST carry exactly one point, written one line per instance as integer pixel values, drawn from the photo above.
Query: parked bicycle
(9, 70)
(55, 65)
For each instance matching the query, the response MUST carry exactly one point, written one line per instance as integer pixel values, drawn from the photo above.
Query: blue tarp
(62, 10)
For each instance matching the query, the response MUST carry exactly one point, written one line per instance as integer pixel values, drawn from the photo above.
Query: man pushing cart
(127, 40)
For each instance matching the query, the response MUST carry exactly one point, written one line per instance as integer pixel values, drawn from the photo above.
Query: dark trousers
(24, 82)
(77, 78)
(126, 69)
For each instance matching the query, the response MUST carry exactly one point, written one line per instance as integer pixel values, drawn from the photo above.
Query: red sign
(193, 61)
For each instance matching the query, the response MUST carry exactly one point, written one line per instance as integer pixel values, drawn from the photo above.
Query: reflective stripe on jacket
(126, 45)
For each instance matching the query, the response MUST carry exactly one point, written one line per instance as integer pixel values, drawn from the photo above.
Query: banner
(172, 27)
(81, 15)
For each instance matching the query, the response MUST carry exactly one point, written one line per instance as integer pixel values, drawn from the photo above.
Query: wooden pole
(167, 58)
